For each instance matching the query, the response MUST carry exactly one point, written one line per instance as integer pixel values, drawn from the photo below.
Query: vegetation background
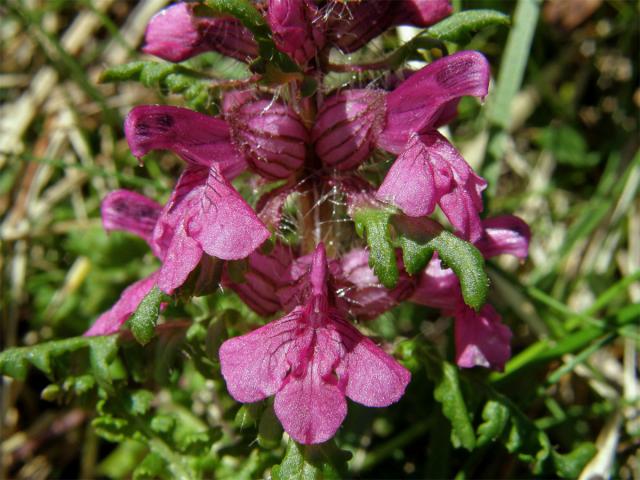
(557, 139)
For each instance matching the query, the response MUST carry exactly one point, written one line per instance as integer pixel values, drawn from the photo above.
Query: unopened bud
(347, 127)
(268, 132)
(296, 29)
(178, 33)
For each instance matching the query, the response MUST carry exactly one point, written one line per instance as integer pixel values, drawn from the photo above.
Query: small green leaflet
(419, 238)
(459, 27)
(143, 322)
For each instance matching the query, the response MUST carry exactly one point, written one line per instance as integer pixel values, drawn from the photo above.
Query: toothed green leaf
(373, 225)
(467, 263)
(102, 350)
(448, 393)
(143, 322)
(459, 27)
(322, 461)
(495, 416)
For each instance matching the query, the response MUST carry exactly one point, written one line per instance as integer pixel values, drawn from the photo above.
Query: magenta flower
(137, 214)
(204, 214)
(311, 359)
(480, 337)
(506, 234)
(268, 132)
(297, 29)
(431, 171)
(353, 24)
(429, 97)
(347, 127)
(177, 33)
(196, 138)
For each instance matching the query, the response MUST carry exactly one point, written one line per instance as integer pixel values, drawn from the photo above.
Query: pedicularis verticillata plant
(350, 165)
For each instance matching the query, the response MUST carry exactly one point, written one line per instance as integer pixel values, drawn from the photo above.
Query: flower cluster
(313, 357)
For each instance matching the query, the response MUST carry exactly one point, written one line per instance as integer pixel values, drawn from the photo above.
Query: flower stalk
(285, 123)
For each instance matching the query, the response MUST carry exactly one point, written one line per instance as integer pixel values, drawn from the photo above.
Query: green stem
(385, 450)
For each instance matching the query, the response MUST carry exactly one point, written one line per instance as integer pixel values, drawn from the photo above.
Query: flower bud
(265, 274)
(347, 127)
(295, 28)
(353, 24)
(268, 132)
(422, 13)
(178, 33)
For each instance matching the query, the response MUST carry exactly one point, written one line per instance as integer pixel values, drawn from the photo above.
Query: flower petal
(182, 257)
(410, 183)
(311, 404)
(418, 103)
(222, 221)
(481, 339)
(111, 320)
(175, 210)
(374, 378)
(438, 287)
(505, 234)
(254, 365)
(196, 138)
(131, 212)
(431, 170)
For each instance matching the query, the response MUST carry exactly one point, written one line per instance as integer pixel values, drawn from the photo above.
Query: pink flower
(197, 138)
(481, 339)
(137, 214)
(431, 171)
(429, 97)
(177, 33)
(297, 29)
(205, 214)
(311, 359)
